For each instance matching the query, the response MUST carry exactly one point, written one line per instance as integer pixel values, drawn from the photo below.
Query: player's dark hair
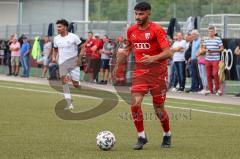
(142, 6)
(63, 22)
(90, 32)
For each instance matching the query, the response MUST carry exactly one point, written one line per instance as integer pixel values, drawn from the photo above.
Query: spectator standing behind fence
(172, 73)
(88, 53)
(179, 48)
(46, 55)
(3, 52)
(202, 71)
(237, 53)
(213, 47)
(120, 73)
(105, 52)
(188, 51)
(15, 55)
(9, 42)
(95, 58)
(24, 52)
(196, 84)
(118, 43)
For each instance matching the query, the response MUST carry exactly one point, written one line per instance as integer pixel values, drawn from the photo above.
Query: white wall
(8, 12)
(46, 11)
(38, 12)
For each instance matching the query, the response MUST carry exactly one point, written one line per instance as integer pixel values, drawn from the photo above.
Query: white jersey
(67, 46)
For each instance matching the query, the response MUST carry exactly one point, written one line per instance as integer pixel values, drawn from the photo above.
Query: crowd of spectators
(194, 56)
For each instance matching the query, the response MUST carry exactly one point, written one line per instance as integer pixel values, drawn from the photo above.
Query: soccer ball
(105, 140)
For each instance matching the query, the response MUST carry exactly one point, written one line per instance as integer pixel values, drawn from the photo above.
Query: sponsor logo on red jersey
(142, 46)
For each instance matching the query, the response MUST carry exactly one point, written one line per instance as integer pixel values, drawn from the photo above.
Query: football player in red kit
(148, 41)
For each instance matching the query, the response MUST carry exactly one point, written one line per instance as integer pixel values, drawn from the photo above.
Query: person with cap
(24, 52)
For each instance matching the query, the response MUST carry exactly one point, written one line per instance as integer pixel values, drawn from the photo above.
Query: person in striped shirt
(213, 47)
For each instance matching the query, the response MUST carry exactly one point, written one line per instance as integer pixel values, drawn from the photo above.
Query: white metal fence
(227, 25)
(111, 28)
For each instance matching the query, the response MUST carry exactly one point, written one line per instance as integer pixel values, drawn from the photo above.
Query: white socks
(167, 133)
(141, 134)
(67, 94)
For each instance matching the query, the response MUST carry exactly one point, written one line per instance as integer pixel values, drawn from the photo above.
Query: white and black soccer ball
(105, 140)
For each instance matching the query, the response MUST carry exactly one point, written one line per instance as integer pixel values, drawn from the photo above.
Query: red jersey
(89, 44)
(99, 43)
(150, 41)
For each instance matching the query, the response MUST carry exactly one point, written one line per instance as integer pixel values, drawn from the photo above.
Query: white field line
(49, 92)
(112, 89)
(90, 97)
(200, 105)
(199, 110)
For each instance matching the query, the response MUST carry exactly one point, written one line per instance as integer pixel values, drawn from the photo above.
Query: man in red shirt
(96, 57)
(88, 45)
(149, 43)
(92, 47)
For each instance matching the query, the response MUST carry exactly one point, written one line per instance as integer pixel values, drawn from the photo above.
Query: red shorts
(153, 80)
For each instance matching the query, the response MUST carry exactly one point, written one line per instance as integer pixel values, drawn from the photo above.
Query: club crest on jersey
(147, 35)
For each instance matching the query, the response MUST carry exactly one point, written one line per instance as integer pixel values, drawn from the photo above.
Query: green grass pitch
(30, 128)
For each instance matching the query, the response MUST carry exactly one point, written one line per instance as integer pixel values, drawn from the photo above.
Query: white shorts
(75, 74)
(46, 60)
(69, 68)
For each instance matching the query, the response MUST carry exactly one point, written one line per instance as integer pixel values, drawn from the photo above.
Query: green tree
(163, 10)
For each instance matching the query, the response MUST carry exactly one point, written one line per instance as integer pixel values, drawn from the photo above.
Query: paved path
(225, 99)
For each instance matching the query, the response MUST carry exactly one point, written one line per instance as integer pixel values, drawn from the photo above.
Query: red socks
(137, 116)
(163, 116)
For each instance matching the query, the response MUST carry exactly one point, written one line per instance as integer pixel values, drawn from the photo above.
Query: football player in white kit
(66, 45)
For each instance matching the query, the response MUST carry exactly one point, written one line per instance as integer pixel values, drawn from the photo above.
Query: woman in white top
(47, 49)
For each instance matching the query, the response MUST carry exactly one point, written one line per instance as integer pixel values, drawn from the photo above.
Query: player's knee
(135, 102)
(159, 101)
(64, 80)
